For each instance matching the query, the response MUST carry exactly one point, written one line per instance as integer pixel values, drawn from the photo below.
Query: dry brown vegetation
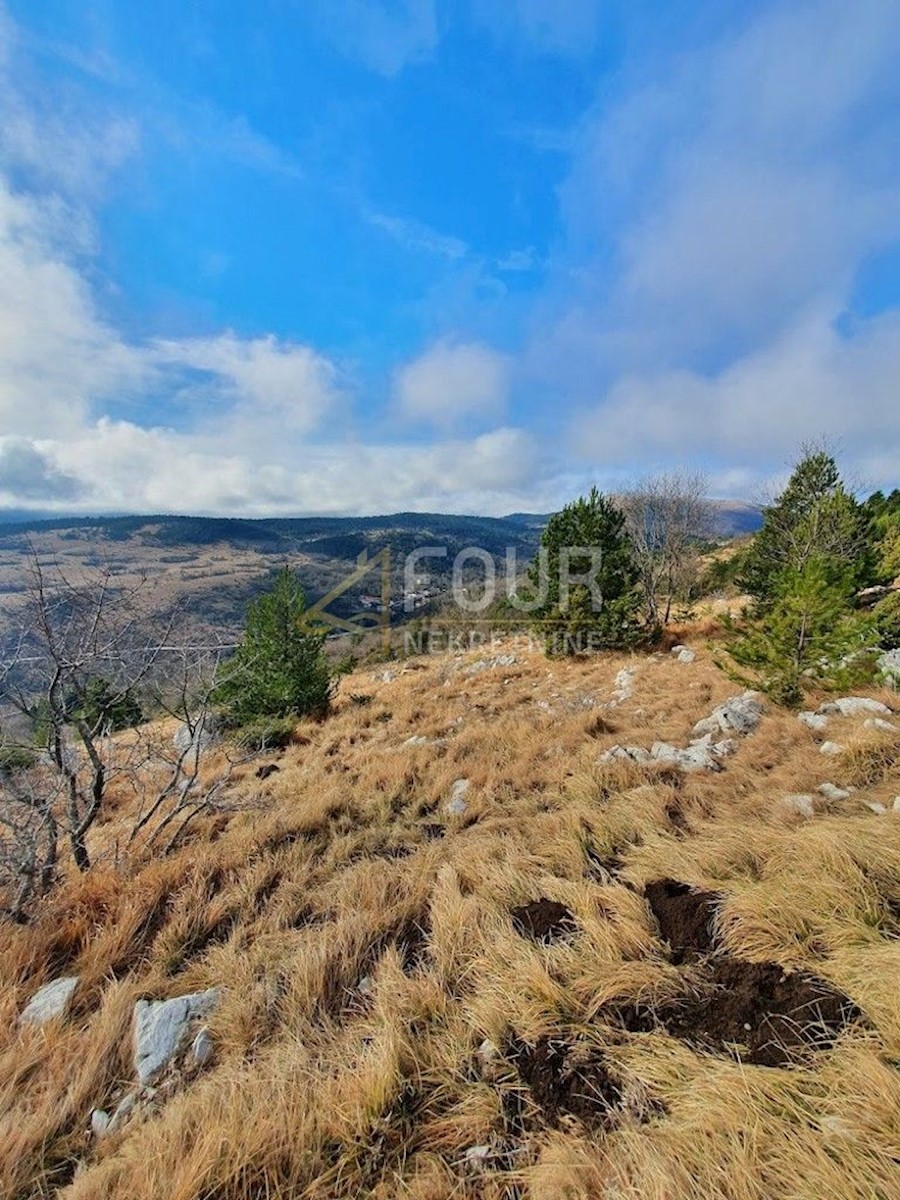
(366, 943)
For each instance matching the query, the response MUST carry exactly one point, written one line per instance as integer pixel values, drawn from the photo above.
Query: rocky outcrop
(740, 715)
(852, 706)
(162, 1027)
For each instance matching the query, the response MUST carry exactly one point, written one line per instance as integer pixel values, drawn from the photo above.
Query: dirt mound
(755, 1011)
(543, 920)
(767, 1015)
(684, 916)
(564, 1079)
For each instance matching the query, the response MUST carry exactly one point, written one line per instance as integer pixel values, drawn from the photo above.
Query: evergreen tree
(814, 518)
(586, 539)
(106, 707)
(808, 636)
(279, 669)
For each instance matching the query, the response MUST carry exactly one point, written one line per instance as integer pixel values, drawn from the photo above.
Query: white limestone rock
(456, 805)
(803, 805)
(852, 706)
(203, 1047)
(832, 792)
(740, 714)
(635, 754)
(50, 1001)
(813, 720)
(100, 1122)
(161, 1027)
(889, 666)
(880, 725)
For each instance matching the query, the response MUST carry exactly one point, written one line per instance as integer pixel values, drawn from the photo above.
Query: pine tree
(808, 636)
(814, 518)
(588, 615)
(279, 669)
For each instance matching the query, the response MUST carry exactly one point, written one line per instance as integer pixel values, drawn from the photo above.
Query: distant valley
(214, 565)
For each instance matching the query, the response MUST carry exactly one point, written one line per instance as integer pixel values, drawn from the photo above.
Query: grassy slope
(320, 1089)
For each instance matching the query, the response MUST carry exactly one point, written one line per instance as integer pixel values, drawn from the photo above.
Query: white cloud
(29, 473)
(415, 235)
(258, 387)
(716, 222)
(453, 382)
(745, 184)
(811, 382)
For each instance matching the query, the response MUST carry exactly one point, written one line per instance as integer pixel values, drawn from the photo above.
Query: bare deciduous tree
(87, 649)
(666, 516)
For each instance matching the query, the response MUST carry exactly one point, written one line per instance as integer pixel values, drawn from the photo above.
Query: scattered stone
(366, 985)
(385, 676)
(196, 736)
(162, 1026)
(804, 805)
(456, 805)
(698, 756)
(813, 720)
(896, 804)
(489, 1060)
(831, 792)
(683, 654)
(836, 1126)
(623, 686)
(100, 1122)
(488, 664)
(50, 1001)
(417, 739)
(851, 706)
(203, 1047)
(881, 725)
(123, 1111)
(629, 753)
(831, 748)
(741, 714)
(476, 1158)
(878, 809)
(889, 666)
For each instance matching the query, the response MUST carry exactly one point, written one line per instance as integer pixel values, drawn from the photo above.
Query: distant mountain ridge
(732, 517)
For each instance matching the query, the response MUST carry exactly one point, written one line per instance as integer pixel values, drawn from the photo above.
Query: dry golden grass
(345, 866)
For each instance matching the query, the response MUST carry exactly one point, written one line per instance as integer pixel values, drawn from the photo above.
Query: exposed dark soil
(752, 1010)
(757, 1006)
(684, 916)
(564, 1079)
(544, 920)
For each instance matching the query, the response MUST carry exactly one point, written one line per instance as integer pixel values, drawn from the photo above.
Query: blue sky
(348, 256)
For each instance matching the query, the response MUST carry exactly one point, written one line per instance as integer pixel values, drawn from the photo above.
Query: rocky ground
(499, 927)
